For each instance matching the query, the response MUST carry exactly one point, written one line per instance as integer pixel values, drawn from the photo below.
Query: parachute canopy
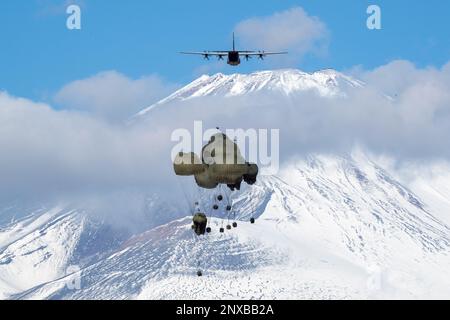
(221, 162)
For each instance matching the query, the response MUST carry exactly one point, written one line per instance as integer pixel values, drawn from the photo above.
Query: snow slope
(45, 244)
(36, 249)
(328, 228)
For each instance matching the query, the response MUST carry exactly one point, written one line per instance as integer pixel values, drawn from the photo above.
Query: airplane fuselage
(233, 58)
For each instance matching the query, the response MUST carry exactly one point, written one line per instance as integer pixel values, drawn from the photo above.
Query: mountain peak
(327, 83)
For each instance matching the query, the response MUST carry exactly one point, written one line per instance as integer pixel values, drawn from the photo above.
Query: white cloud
(398, 75)
(112, 95)
(293, 30)
(47, 151)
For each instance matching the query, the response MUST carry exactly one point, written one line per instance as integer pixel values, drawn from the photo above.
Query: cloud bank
(112, 95)
(48, 151)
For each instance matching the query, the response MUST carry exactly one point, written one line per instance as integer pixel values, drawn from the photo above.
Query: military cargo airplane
(234, 56)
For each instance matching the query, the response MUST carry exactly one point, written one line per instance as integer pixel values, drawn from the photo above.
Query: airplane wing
(207, 53)
(224, 53)
(260, 53)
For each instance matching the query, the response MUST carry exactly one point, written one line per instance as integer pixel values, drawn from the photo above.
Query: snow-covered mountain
(327, 83)
(328, 227)
(43, 245)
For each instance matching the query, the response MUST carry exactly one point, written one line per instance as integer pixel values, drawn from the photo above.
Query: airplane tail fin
(234, 47)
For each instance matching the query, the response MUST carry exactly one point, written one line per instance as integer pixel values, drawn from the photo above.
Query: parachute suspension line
(216, 205)
(190, 206)
(209, 217)
(227, 199)
(231, 209)
(233, 213)
(228, 207)
(221, 219)
(226, 202)
(228, 219)
(254, 206)
(234, 216)
(198, 200)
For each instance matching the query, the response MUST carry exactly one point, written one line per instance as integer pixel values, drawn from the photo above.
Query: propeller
(206, 56)
(261, 55)
(220, 57)
(247, 57)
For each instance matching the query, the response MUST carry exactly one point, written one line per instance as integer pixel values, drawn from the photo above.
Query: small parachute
(221, 163)
(199, 223)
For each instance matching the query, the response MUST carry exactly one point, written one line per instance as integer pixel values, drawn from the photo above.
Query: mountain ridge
(327, 83)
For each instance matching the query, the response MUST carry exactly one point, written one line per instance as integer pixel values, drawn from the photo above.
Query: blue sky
(39, 54)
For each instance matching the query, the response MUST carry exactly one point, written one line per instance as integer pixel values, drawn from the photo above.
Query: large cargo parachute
(221, 162)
